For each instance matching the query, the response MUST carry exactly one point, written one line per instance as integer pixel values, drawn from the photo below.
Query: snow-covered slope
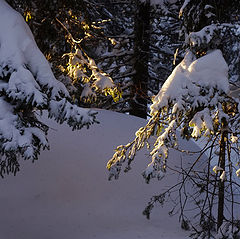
(66, 194)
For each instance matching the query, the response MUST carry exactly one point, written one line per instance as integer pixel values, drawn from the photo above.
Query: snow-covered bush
(28, 86)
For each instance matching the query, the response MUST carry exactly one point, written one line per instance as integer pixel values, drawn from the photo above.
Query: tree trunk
(139, 91)
(222, 161)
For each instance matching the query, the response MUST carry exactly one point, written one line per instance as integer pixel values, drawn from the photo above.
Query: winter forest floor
(67, 195)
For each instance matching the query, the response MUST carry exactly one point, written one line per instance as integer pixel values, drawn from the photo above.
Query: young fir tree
(196, 101)
(27, 87)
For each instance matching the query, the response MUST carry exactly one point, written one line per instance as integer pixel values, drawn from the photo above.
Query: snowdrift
(66, 193)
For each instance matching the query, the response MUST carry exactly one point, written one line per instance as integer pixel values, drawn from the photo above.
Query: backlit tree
(196, 101)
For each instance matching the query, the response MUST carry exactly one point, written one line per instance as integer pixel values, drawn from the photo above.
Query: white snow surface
(66, 193)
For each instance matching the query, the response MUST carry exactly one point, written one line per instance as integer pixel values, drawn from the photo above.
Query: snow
(27, 84)
(200, 119)
(205, 35)
(18, 49)
(23, 85)
(223, 176)
(238, 172)
(88, 92)
(66, 193)
(209, 71)
(102, 81)
(12, 136)
(78, 63)
(217, 168)
(183, 6)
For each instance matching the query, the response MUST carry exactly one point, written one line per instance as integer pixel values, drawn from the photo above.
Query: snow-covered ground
(67, 195)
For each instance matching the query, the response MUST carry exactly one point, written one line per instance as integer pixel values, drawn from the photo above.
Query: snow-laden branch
(27, 84)
(190, 76)
(190, 100)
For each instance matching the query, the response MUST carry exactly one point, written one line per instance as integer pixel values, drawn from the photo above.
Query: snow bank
(66, 193)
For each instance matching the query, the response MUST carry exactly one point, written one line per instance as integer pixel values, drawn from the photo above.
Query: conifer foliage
(196, 101)
(28, 86)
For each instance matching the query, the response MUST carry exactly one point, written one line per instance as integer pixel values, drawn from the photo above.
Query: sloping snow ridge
(66, 193)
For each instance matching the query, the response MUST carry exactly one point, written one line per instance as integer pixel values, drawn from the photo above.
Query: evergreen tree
(165, 43)
(69, 33)
(145, 45)
(109, 37)
(138, 103)
(196, 100)
(27, 87)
